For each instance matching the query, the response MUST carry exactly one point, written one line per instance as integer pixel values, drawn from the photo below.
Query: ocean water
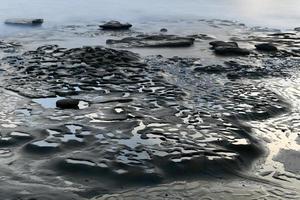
(266, 13)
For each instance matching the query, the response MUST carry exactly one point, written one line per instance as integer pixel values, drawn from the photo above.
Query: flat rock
(266, 47)
(21, 21)
(232, 51)
(115, 25)
(228, 48)
(218, 43)
(154, 41)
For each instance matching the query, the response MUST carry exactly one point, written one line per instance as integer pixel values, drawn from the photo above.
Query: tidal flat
(162, 109)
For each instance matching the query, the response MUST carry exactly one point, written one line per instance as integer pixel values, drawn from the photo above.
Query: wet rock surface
(153, 41)
(139, 127)
(24, 22)
(115, 25)
(266, 47)
(228, 48)
(144, 121)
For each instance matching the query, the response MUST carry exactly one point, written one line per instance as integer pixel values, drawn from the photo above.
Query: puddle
(49, 102)
(44, 143)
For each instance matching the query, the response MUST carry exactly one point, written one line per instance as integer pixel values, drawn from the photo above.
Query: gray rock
(266, 47)
(217, 43)
(115, 25)
(228, 48)
(21, 21)
(154, 41)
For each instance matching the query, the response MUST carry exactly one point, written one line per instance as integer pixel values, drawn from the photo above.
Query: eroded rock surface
(143, 120)
(140, 126)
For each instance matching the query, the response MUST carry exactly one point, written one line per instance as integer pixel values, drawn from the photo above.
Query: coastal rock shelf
(140, 126)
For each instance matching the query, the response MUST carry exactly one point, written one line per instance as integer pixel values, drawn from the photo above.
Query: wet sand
(159, 123)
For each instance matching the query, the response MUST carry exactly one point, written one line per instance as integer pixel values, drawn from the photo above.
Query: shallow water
(267, 13)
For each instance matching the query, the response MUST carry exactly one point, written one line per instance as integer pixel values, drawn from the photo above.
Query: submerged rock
(202, 36)
(266, 47)
(21, 21)
(115, 25)
(154, 41)
(228, 48)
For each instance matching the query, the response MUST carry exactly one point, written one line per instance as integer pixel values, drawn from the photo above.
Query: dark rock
(163, 30)
(115, 25)
(297, 29)
(296, 50)
(154, 41)
(266, 47)
(28, 22)
(211, 69)
(233, 76)
(227, 50)
(216, 44)
(68, 103)
(281, 34)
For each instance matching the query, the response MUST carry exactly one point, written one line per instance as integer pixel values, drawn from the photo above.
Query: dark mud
(145, 120)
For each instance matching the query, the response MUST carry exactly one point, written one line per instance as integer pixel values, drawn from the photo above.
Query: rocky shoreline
(97, 120)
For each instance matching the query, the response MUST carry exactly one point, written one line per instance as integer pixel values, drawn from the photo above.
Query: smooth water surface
(266, 13)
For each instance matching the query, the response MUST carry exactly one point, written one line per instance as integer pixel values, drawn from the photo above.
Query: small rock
(266, 47)
(68, 103)
(216, 44)
(115, 25)
(228, 48)
(163, 30)
(297, 29)
(28, 22)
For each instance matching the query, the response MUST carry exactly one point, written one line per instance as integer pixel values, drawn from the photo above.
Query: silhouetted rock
(163, 30)
(266, 47)
(21, 21)
(68, 103)
(115, 25)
